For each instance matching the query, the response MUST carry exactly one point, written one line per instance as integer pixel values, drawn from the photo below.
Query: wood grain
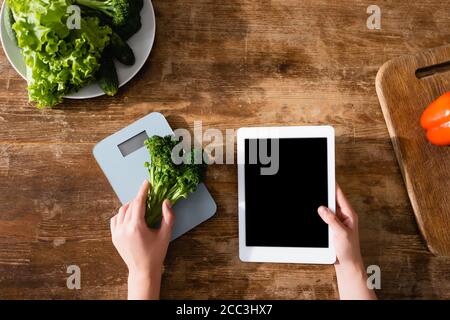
(425, 168)
(230, 64)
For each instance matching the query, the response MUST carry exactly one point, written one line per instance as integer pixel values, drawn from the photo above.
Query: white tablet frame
(285, 254)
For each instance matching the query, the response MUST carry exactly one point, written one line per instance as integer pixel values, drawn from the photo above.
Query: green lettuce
(59, 60)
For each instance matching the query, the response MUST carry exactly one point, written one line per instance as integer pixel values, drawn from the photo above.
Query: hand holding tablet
(285, 174)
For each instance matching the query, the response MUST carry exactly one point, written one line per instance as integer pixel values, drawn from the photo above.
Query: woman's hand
(350, 272)
(344, 225)
(142, 249)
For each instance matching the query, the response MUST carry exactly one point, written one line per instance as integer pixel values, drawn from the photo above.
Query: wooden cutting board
(405, 87)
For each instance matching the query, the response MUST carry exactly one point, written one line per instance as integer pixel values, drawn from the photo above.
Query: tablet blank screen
(281, 209)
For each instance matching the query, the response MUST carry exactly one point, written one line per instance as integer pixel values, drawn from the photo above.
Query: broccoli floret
(169, 180)
(126, 22)
(118, 10)
(131, 27)
(133, 24)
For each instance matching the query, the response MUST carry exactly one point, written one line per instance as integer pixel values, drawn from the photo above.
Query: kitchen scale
(121, 157)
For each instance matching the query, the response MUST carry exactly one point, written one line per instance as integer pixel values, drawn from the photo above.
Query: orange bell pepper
(436, 120)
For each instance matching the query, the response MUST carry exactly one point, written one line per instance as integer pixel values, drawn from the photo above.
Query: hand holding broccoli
(142, 249)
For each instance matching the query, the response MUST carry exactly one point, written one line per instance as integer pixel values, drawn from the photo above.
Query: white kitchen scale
(122, 155)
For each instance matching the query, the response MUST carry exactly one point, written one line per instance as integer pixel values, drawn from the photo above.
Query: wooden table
(230, 64)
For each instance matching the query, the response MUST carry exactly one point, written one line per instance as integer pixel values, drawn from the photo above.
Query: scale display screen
(133, 144)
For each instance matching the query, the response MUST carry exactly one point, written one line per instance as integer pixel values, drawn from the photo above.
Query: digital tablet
(284, 175)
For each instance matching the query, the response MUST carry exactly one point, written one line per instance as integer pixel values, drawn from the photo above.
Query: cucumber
(121, 50)
(107, 76)
(8, 22)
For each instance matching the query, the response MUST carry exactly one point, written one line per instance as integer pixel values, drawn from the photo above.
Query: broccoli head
(118, 10)
(124, 16)
(133, 25)
(169, 180)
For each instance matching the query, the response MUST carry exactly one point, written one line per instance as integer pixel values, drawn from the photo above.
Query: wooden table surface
(230, 64)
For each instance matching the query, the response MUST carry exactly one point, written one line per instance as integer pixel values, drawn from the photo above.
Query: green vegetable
(126, 30)
(117, 10)
(107, 76)
(169, 180)
(130, 29)
(59, 60)
(9, 21)
(121, 50)
(132, 26)
(88, 12)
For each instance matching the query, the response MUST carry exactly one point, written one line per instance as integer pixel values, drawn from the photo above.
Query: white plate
(141, 43)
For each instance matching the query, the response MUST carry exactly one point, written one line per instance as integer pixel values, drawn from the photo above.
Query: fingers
(330, 218)
(120, 217)
(344, 204)
(141, 197)
(139, 202)
(340, 198)
(127, 208)
(168, 219)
